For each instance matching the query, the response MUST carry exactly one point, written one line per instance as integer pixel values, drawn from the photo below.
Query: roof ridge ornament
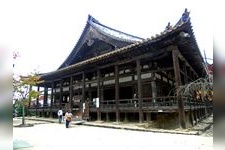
(184, 18)
(92, 19)
(168, 27)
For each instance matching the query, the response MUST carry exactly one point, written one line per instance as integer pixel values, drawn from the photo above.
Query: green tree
(23, 92)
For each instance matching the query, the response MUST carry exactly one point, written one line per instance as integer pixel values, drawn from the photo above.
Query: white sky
(44, 32)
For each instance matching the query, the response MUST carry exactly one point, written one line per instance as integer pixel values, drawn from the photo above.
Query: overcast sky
(44, 32)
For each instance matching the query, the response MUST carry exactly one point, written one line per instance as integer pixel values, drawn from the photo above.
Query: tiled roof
(193, 56)
(93, 26)
(155, 38)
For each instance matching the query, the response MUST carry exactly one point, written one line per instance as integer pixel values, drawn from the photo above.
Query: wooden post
(141, 116)
(52, 91)
(45, 96)
(154, 89)
(185, 72)
(83, 90)
(37, 102)
(176, 66)
(107, 116)
(71, 94)
(125, 117)
(99, 93)
(61, 92)
(117, 92)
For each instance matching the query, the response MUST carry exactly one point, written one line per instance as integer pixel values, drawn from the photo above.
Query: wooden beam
(121, 62)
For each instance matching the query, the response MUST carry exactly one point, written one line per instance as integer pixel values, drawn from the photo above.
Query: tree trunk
(23, 118)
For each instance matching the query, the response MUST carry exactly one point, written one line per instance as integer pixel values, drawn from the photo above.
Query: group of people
(68, 117)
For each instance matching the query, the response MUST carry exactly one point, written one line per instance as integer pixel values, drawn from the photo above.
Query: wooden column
(154, 89)
(83, 90)
(52, 94)
(107, 116)
(45, 96)
(148, 117)
(71, 94)
(99, 94)
(37, 101)
(61, 94)
(117, 90)
(185, 72)
(141, 116)
(176, 66)
(134, 90)
(125, 117)
(89, 92)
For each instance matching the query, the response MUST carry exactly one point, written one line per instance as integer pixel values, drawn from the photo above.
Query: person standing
(60, 115)
(68, 118)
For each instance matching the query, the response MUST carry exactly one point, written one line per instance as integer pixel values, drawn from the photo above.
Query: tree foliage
(23, 91)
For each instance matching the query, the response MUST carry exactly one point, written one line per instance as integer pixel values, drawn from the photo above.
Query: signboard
(96, 102)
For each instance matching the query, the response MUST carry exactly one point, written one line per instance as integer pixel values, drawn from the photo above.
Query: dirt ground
(52, 136)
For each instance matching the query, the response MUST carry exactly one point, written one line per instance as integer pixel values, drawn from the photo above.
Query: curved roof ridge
(112, 32)
(77, 46)
(100, 28)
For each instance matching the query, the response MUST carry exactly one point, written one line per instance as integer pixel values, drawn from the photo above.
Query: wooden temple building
(114, 76)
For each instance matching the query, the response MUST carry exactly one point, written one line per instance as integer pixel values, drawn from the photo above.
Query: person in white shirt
(60, 115)
(68, 118)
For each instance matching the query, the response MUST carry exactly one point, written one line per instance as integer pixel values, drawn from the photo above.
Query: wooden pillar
(133, 102)
(45, 103)
(176, 66)
(99, 94)
(125, 117)
(185, 72)
(71, 94)
(141, 116)
(89, 92)
(117, 92)
(195, 113)
(37, 102)
(107, 116)
(154, 89)
(45, 96)
(52, 94)
(83, 90)
(148, 117)
(61, 94)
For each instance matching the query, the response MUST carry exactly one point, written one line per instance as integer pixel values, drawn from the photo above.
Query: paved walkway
(200, 128)
(52, 136)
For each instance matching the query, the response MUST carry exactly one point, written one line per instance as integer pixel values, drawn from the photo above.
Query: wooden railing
(166, 101)
(147, 103)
